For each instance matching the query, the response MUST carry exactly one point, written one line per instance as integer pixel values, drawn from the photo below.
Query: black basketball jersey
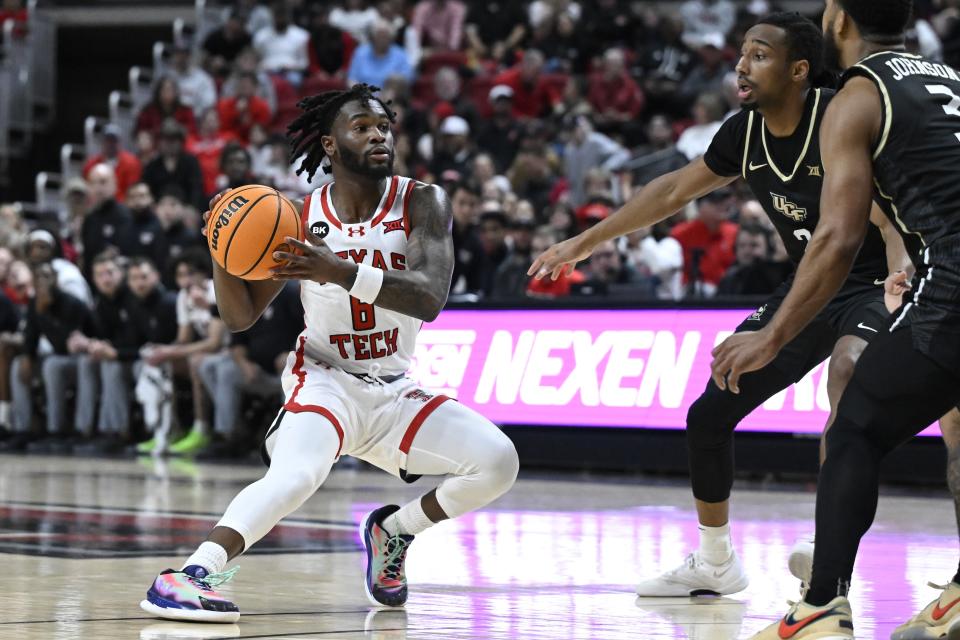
(786, 176)
(916, 165)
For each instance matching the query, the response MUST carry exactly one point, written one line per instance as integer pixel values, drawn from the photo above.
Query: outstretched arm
(421, 289)
(846, 137)
(657, 201)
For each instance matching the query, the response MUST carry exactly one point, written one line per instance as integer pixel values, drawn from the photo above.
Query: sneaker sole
(949, 631)
(366, 583)
(189, 615)
(697, 592)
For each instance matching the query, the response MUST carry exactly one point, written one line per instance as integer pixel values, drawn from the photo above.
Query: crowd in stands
(538, 118)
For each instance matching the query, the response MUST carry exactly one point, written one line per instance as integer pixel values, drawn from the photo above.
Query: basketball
(247, 226)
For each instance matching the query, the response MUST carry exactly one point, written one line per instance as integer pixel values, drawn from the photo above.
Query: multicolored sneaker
(939, 619)
(832, 621)
(385, 583)
(190, 443)
(188, 595)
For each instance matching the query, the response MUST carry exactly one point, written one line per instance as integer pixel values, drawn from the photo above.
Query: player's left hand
(307, 261)
(740, 354)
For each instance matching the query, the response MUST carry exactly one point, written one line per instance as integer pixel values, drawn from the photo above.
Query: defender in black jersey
(893, 132)
(774, 145)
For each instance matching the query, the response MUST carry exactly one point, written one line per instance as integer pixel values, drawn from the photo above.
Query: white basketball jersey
(340, 330)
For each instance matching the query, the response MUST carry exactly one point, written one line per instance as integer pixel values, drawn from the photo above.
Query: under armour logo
(788, 208)
(814, 170)
(320, 229)
(351, 231)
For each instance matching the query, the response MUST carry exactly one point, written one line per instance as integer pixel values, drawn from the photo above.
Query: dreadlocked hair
(316, 121)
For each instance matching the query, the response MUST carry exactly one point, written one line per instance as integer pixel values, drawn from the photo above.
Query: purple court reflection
(532, 574)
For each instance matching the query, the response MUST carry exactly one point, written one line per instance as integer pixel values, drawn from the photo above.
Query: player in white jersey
(377, 264)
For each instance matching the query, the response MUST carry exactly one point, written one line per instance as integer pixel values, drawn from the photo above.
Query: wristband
(366, 287)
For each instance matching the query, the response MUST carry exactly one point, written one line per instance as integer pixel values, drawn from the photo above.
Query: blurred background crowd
(539, 118)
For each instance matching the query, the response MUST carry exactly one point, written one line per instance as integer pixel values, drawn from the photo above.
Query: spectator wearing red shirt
(532, 94)
(615, 97)
(126, 166)
(241, 112)
(709, 243)
(165, 104)
(14, 10)
(439, 24)
(207, 147)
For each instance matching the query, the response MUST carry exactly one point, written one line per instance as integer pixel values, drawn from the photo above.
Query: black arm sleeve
(725, 155)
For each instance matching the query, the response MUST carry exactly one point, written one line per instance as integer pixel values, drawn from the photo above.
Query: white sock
(202, 426)
(4, 412)
(716, 547)
(409, 521)
(210, 556)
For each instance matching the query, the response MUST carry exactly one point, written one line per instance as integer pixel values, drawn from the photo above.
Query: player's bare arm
(241, 302)
(849, 128)
(419, 291)
(658, 200)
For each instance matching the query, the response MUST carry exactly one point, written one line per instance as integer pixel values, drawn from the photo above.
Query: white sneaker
(801, 561)
(696, 577)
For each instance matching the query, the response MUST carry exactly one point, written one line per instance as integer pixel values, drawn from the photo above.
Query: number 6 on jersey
(364, 318)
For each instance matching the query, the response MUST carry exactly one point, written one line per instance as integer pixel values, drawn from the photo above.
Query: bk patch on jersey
(320, 229)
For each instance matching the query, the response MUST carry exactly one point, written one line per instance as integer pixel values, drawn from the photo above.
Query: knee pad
(845, 434)
(709, 422)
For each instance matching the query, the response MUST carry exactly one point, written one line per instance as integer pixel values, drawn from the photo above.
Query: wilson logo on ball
(224, 218)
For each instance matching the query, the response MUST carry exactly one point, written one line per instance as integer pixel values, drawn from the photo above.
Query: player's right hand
(896, 284)
(212, 204)
(559, 258)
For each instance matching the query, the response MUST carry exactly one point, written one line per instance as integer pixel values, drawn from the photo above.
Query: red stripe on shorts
(295, 407)
(418, 421)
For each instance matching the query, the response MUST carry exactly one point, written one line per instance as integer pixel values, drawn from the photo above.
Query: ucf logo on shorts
(787, 208)
(758, 314)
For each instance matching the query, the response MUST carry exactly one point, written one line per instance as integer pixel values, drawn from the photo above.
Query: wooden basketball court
(81, 540)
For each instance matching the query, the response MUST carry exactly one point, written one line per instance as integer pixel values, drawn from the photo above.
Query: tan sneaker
(832, 621)
(937, 619)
